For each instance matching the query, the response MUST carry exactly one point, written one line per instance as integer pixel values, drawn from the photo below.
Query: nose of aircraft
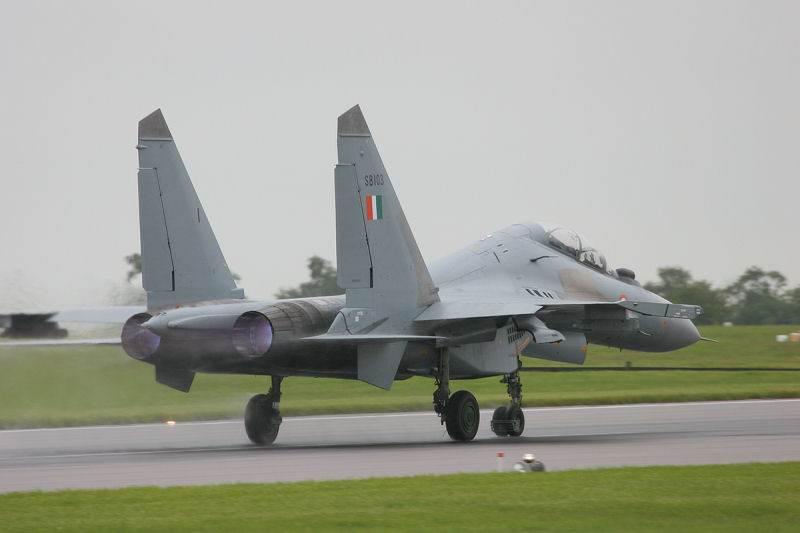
(677, 333)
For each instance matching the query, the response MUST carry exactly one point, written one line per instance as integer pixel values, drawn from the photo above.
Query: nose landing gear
(510, 420)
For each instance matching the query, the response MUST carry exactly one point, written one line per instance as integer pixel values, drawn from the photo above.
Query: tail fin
(379, 263)
(181, 260)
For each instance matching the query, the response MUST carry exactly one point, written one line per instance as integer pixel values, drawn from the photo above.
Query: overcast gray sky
(668, 133)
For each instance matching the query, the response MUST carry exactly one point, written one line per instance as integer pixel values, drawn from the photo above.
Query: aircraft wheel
(261, 421)
(499, 425)
(517, 421)
(462, 416)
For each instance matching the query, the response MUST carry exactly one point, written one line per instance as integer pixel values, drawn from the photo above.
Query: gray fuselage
(517, 263)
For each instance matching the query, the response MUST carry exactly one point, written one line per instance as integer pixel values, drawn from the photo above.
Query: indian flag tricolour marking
(374, 207)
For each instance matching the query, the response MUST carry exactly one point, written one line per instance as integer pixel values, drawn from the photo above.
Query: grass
(747, 497)
(738, 346)
(90, 385)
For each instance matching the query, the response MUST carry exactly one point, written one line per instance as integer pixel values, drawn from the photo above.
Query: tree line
(757, 297)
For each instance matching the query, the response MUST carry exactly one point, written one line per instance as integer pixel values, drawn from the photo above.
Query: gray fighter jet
(531, 289)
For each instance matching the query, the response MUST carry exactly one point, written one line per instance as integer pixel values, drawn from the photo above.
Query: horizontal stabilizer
(105, 315)
(63, 342)
(96, 315)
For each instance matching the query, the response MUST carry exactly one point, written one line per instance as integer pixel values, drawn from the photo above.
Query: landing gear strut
(262, 417)
(458, 412)
(510, 420)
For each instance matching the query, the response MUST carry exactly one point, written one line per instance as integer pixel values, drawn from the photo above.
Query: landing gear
(462, 416)
(498, 421)
(442, 393)
(262, 417)
(510, 420)
(458, 412)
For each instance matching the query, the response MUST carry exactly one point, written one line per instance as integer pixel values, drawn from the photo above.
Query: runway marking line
(316, 418)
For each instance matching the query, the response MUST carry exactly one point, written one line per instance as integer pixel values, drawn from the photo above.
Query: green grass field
(746, 497)
(74, 386)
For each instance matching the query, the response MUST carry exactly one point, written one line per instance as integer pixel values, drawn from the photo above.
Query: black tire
(517, 418)
(261, 421)
(462, 416)
(499, 425)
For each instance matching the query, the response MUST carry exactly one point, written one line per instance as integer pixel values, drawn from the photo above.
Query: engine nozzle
(252, 334)
(138, 341)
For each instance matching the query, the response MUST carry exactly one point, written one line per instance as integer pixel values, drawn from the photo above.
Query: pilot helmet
(528, 458)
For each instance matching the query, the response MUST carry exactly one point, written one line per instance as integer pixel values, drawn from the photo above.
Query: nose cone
(676, 333)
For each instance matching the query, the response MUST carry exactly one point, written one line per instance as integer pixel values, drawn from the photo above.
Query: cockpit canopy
(571, 243)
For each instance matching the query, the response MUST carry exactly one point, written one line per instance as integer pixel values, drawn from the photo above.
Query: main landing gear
(262, 417)
(458, 412)
(509, 421)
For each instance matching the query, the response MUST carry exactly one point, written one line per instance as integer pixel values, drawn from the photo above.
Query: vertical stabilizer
(378, 260)
(181, 260)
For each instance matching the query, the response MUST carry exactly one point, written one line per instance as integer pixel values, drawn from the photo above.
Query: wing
(494, 307)
(561, 331)
(657, 309)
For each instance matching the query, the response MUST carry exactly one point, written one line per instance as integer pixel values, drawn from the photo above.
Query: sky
(666, 133)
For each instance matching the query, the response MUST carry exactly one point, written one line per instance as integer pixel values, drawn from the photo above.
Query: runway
(400, 444)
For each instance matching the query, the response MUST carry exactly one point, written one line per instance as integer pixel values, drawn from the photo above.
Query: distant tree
(135, 262)
(676, 285)
(671, 278)
(760, 298)
(130, 293)
(322, 283)
(792, 301)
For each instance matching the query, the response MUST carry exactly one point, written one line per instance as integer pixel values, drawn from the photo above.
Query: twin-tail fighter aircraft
(531, 289)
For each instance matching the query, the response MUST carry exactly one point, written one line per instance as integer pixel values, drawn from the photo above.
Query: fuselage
(519, 263)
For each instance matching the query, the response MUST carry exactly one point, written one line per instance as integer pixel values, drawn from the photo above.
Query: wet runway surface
(401, 444)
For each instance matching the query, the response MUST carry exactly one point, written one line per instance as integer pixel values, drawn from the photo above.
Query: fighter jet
(531, 289)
